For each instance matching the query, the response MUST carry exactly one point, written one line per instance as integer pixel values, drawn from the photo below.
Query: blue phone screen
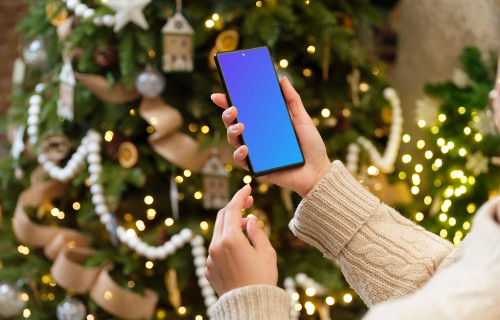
(255, 91)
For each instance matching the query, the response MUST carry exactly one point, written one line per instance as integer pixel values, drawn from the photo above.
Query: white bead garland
(385, 162)
(90, 150)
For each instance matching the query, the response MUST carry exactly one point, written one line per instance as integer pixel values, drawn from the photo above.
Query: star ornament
(128, 11)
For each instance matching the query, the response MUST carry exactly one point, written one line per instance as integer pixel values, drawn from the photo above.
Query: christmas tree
(118, 162)
(461, 145)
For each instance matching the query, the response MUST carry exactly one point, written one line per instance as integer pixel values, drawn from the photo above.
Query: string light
(406, 158)
(472, 180)
(310, 292)
(148, 200)
(471, 207)
(132, 112)
(151, 53)
(169, 222)
(437, 183)
(442, 117)
(179, 179)
(150, 129)
(204, 225)
(131, 284)
(461, 110)
(428, 200)
(364, 87)
(54, 212)
(443, 233)
(90, 317)
(26, 313)
(295, 296)
(108, 295)
(307, 72)
(298, 307)
(205, 129)
(375, 71)
(478, 137)
(283, 63)
(420, 144)
(131, 233)
(467, 130)
(466, 225)
(60, 215)
(443, 217)
(311, 49)
(187, 173)
(198, 317)
(23, 250)
(198, 195)
(415, 179)
(415, 190)
(209, 23)
(419, 216)
(161, 314)
(440, 142)
(181, 310)
(419, 168)
(421, 123)
(402, 175)
(330, 301)
(128, 217)
(325, 113)
(462, 152)
(140, 225)
(438, 162)
(347, 298)
(309, 307)
(372, 170)
(108, 136)
(449, 192)
(247, 179)
(228, 168)
(76, 206)
(258, 4)
(215, 17)
(406, 138)
(452, 221)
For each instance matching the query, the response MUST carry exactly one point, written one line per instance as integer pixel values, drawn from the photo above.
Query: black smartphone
(251, 84)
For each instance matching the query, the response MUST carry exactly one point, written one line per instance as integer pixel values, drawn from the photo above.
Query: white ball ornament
(98, 21)
(207, 291)
(198, 251)
(101, 209)
(200, 272)
(177, 241)
(35, 100)
(108, 20)
(97, 189)
(150, 83)
(169, 247)
(80, 9)
(197, 241)
(34, 110)
(186, 234)
(11, 305)
(199, 261)
(34, 53)
(40, 87)
(32, 130)
(203, 282)
(210, 301)
(88, 13)
(72, 4)
(71, 309)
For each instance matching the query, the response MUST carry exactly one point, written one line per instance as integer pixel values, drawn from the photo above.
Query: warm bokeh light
(311, 49)
(325, 113)
(347, 298)
(247, 179)
(148, 200)
(198, 195)
(169, 222)
(204, 225)
(149, 265)
(421, 123)
(140, 225)
(283, 63)
(209, 23)
(108, 136)
(330, 301)
(76, 206)
(406, 138)
(419, 216)
(310, 292)
(187, 173)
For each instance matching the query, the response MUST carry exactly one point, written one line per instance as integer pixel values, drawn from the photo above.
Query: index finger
(233, 218)
(220, 100)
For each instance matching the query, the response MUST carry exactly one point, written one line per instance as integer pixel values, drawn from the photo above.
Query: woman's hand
(232, 262)
(300, 180)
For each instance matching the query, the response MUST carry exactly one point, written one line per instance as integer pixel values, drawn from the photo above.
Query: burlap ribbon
(70, 249)
(177, 147)
(99, 86)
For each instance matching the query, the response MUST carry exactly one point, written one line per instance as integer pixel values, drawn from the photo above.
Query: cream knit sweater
(400, 270)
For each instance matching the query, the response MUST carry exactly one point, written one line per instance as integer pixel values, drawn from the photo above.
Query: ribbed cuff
(254, 302)
(483, 241)
(333, 211)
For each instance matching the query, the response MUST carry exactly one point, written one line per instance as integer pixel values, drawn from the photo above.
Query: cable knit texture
(382, 255)
(253, 303)
(406, 271)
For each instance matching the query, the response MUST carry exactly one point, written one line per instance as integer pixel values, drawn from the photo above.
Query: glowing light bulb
(347, 298)
(462, 152)
(148, 200)
(108, 136)
(452, 221)
(467, 130)
(310, 292)
(283, 63)
(442, 117)
(209, 23)
(406, 158)
(215, 17)
(428, 154)
(419, 216)
(428, 200)
(169, 222)
(325, 113)
(247, 179)
(311, 49)
(420, 144)
(372, 170)
(198, 195)
(443, 233)
(421, 123)
(443, 217)
(406, 138)
(440, 142)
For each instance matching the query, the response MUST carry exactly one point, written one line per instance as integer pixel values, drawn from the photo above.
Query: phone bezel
(229, 101)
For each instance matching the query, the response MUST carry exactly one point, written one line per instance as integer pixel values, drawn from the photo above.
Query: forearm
(382, 255)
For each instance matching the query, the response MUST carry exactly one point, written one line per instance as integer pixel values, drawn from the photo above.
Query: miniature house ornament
(215, 184)
(67, 82)
(177, 43)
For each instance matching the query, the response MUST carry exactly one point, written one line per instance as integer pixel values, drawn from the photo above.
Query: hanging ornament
(71, 309)
(16, 150)
(56, 12)
(55, 146)
(353, 80)
(226, 41)
(128, 11)
(11, 303)
(174, 294)
(150, 83)
(215, 184)
(34, 53)
(66, 100)
(128, 154)
(105, 56)
(178, 43)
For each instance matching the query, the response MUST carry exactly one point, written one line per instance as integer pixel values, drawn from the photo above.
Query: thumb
(257, 235)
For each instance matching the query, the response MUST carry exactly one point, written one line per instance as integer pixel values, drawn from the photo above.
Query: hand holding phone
(317, 164)
(251, 84)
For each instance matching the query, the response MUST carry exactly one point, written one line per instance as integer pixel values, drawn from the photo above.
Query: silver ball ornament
(34, 53)
(150, 83)
(71, 309)
(11, 304)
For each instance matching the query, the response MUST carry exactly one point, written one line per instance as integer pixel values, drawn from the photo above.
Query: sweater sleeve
(383, 256)
(253, 302)
(465, 289)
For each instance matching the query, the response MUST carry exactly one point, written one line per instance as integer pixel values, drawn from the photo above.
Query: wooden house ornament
(67, 82)
(178, 43)
(215, 184)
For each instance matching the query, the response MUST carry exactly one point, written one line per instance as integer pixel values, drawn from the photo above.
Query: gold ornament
(227, 40)
(128, 154)
(56, 12)
(174, 294)
(55, 146)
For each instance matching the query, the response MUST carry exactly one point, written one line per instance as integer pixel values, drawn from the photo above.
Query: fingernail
(235, 127)
(212, 96)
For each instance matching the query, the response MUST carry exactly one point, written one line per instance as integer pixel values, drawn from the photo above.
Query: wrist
(316, 177)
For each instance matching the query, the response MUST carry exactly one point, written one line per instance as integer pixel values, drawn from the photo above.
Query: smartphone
(251, 84)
